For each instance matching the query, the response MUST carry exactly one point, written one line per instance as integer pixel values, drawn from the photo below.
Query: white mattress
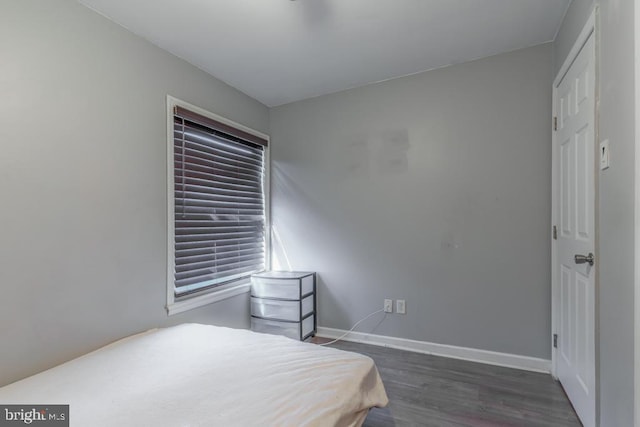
(200, 375)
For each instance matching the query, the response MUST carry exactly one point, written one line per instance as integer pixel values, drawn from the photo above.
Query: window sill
(201, 300)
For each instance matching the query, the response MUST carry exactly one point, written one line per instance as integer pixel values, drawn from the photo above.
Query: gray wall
(574, 20)
(83, 182)
(616, 207)
(617, 117)
(434, 188)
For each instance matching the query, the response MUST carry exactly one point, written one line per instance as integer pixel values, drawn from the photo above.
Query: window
(217, 207)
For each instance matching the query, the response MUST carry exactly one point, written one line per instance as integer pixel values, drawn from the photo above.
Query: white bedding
(200, 375)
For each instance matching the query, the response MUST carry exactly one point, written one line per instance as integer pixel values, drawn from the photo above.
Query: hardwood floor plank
(426, 390)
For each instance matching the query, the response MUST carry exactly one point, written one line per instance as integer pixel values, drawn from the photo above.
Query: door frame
(589, 29)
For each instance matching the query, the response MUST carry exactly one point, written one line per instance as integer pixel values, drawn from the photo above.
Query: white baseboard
(471, 354)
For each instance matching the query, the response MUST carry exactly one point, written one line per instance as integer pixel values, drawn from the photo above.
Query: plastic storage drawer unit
(284, 303)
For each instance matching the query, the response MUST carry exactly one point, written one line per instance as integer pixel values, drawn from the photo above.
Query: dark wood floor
(429, 390)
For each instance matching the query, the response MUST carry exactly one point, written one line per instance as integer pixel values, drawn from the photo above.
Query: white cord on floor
(352, 328)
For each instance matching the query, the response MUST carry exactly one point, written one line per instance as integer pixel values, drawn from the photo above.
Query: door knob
(582, 259)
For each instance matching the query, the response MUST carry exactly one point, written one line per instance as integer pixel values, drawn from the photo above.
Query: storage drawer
(285, 288)
(281, 309)
(288, 329)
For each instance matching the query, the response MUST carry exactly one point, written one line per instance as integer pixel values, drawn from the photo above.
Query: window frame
(219, 293)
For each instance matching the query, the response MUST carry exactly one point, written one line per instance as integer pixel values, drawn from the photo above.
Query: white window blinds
(219, 215)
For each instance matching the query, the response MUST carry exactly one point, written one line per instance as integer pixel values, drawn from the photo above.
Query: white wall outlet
(605, 156)
(401, 306)
(388, 306)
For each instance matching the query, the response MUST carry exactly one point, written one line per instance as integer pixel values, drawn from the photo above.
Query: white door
(575, 245)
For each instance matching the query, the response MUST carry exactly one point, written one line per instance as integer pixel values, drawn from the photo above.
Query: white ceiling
(279, 51)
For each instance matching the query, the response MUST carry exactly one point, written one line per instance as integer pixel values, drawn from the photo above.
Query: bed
(202, 375)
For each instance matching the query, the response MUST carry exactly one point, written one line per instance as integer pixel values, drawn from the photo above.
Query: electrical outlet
(401, 306)
(388, 306)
